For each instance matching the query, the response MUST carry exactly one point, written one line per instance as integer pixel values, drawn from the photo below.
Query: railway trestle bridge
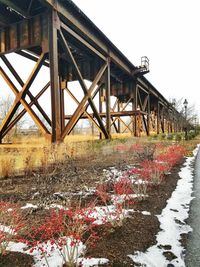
(56, 34)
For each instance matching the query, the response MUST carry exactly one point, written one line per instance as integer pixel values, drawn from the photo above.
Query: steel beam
(114, 114)
(81, 108)
(31, 57)
(158, 118)
(87, 34)
(63, 85)
(86, 115)
(135, 105)
(108, 117)
(82, 41)
(14, 107)
(118, 109)
(20, 97)
(23, 112)
(24, 34)
(113, 110)
(148, 115)
(19, 80)
(12, 5)
(100, 106)
(54, 78)
(83, 85)
(123, 110)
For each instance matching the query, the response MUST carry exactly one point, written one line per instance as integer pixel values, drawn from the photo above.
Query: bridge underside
(57, 35)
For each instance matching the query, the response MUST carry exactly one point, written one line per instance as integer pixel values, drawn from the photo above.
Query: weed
(6, 167)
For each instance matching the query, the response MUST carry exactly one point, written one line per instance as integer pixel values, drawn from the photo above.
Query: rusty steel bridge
(57, 34)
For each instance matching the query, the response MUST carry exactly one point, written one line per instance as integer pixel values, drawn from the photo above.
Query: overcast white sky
(166, 31)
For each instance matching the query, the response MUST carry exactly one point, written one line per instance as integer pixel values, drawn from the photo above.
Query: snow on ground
(7, 229)
(93, 262)
(17, 247)
(117, 199)
(29, 206)
(112, 173)
(54, 257)
(55, 206)
(109, 213)
(172, 224)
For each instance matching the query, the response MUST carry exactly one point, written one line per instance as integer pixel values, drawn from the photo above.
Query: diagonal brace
(90, 117)
(32, 98)
(23, 112)
(20, 95)
(81, 108)
(81, 80)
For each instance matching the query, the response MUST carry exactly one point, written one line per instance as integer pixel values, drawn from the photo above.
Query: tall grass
(7, 167)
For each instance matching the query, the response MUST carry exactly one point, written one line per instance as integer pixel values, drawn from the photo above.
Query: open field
(32, 152)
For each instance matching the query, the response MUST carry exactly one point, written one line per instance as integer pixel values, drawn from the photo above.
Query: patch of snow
(53, 256)
(121, 198)
(140, 181)
(7, 229)
(146, 212)
(16, 247)
(35, 195)
(113, 174)
(171, 229)
(10, 209)
(29, 206)
(55, 206)
(104, 214)
(93, 262)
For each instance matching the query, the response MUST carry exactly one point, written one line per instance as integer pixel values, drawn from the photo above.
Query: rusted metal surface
(54, 74)
(24, 34)
(57, 34)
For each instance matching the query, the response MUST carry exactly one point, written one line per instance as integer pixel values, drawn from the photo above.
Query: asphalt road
(192, 258)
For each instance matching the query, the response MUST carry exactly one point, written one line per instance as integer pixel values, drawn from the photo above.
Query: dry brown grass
(30, 153)
(7, 167)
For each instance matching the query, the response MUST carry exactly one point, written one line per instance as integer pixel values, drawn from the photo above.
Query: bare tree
(5, 104)
(189, 114)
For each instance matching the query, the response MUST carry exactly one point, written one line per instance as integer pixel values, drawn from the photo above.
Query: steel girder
(56, 37)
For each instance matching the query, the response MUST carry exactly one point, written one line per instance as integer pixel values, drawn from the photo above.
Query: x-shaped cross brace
(87, 92)
(20, 96)
(90, 117)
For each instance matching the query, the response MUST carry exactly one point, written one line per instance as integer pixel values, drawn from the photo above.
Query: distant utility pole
(185, 103)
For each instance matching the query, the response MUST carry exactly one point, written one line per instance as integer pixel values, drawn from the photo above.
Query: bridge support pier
(54, 78)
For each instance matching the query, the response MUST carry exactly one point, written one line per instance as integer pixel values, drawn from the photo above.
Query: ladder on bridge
(143, 68)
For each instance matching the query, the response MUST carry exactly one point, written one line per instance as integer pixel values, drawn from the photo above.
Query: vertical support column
(135, 104)
(55, 88)
(119, 123)
(100, 106)
(108, 117)
(133, 116)
(158, 118)
(63, 85)
(148, 115)
(163, 120)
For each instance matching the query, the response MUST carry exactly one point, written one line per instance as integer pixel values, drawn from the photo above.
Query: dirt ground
(73, 175)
